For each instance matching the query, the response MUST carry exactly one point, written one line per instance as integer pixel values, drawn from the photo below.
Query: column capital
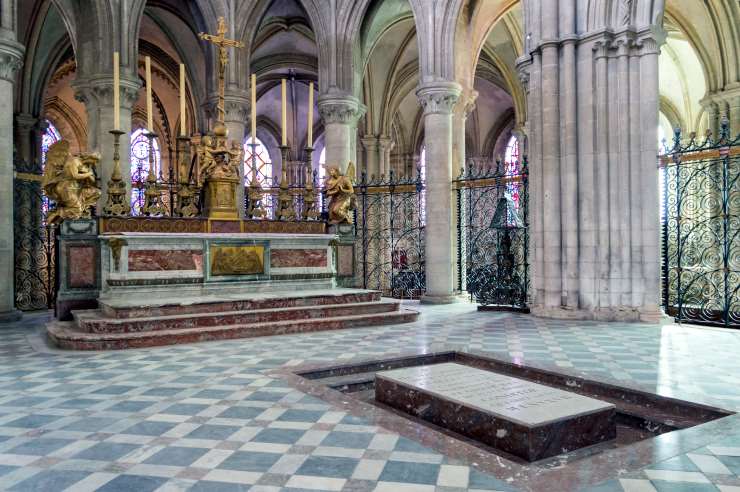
(439, 97)
(369, 142)
(11, 59)
(98, 90)
(385, 143)
(340, 108)
(25, 122)
(236, 106)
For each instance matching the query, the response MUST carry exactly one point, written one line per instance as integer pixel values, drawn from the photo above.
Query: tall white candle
(254, 108)
(284, 119)
(149, 115)
(116, 91)
(310, 114)
(182, 100)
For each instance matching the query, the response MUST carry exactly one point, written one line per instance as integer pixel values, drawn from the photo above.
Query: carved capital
(11, 59)
(99, 91)
(340, 109)
(25, 123)
(439, 97)
(386, 144)
(236, 106)
(370, 143)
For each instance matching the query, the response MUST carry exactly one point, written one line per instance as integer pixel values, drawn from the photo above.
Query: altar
(213, 255)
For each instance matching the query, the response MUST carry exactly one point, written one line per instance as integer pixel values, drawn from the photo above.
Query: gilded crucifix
(220, 40)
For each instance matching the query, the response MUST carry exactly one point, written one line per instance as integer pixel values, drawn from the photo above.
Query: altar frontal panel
(238, 261)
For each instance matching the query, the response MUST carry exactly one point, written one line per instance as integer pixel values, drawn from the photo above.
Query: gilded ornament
(341, 195)
(69, 181)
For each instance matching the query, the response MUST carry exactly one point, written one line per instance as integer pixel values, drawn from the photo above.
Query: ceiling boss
(220, 160)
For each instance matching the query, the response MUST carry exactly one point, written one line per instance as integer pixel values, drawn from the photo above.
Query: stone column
(237, 117)
(96, 93)
(25, 138)
(372, 166)
(340, 114)
(385, 145)
(594, 225)
(438, 100)
(11, 60)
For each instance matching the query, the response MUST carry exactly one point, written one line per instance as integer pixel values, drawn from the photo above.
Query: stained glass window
(48, 138)
(423, 163)
(140, 167)
(263, 163)
(322, 163)
(512, 168)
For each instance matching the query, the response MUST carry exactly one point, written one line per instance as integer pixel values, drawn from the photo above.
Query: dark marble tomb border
(570, 471)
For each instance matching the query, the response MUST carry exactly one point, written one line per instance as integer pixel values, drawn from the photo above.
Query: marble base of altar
(78, 266)
(152, 265)
(161, 289)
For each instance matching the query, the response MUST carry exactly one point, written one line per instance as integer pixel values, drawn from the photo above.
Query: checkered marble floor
(207, 417)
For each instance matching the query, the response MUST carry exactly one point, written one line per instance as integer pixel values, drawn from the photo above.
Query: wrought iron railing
(390, 228)
(493, 233)
(700, 213)
(34, 242)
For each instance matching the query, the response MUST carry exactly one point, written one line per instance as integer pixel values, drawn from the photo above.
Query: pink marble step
(67, 335)
(94, 321)
(214, 305)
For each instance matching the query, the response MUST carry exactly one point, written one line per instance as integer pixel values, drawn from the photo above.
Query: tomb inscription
(523, 418)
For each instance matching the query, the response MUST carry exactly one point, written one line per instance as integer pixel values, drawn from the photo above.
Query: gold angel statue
(341, 193)
(69, 180)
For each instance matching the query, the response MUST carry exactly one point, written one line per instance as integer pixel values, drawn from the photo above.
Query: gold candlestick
(153, 206)
(117, 203)
(310, 198)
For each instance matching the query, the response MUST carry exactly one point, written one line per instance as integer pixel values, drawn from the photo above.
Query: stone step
(94, 321)
(67, 335)
(146, 308)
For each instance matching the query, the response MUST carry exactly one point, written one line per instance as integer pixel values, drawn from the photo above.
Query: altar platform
(141, 289)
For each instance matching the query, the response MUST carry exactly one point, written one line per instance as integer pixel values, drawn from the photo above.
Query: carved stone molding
(340, 109)
(11, 59)
(99, 91)
(439, 97)
(236, 106)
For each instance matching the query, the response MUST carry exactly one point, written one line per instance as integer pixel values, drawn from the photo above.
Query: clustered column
(11, 56)
(438, 101)
(593, 110)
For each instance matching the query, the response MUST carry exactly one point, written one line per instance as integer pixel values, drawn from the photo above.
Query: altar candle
(284, 122)
(310, 114)
(116, 89)
(182, 99)
(254, 108)
(149, 115)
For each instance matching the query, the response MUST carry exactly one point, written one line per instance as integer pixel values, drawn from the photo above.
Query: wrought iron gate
(493, 234)
(701, 230)
(390, 226)
(35, 255)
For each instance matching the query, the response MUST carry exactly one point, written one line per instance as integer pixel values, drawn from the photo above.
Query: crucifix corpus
(219, 160)
(220, 40)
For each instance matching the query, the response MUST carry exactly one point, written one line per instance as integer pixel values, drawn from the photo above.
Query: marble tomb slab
(526, 419)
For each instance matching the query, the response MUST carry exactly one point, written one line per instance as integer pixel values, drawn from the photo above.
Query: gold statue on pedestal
(69, 180)
(220, 163)
(341, 195)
